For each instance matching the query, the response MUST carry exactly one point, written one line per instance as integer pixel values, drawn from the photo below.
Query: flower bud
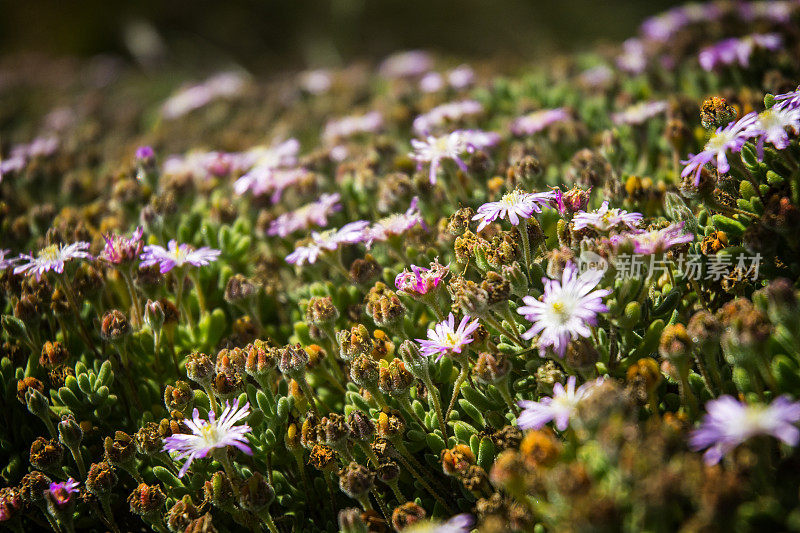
(581, 356)
(365, 271)
(292, 360)
(26, 384)
(219, 491)
(261, 359)
(154, 315)
(334, 430)
(202, 524)
(705, 330)
(361, 427)
(33, 487)
(457, 460)
(407, 514)
(415, 362)
(37, 403)
(70, 433)
(350, 521)
(356, 480)
(121, 450)
(179, 397)
(716, 112)
(364, 372)
(548, 375)
(388, 470)
(114, 326)
(54, 354)
(497, 288)
(147, 438)
(239, 289)
(491, 368)
(391, 425)
(255, 494)
(46, 454)
(182, 514)
(321, 312)
(10, 503)
(323, 458)
(147, 501)
(354, 342)
(101, 479)
(200, 369)
(228, 384)
(384, 306)
(540, 448)
(394, 379)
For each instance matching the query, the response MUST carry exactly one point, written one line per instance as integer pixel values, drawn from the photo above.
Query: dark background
(269, 34)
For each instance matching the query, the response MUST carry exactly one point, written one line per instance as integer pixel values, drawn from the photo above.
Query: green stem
(526, 246)
(433, 394)
(462, 377)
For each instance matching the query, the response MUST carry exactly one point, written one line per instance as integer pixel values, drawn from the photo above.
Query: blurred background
(269, 35)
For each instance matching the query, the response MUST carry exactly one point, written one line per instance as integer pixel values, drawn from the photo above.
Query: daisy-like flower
(663, 26)
(640, 113)
(566, 309)
(461, 77)
(791, 99)
(119, 249)
(61, 493)
(434, 150)
(605, 219)
(208, 435)
(315, 82)
(263, 163)
(656, 241)
(633, 58)
(315, 213)
(774, 122)
(53, 257)
(737, 50)
(447, 339)
(445, 114)
(396, 224)
(461, 523)
(559, 408)
(538, 120)
(409, 64)
(343, 128)
(729, 422)
(177, 255)
(731, 137)
(350, 233)
(221, 85)
(599, 76)
(420, 280)
(514, 206)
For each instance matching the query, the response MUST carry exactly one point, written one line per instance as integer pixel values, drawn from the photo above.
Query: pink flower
(53, 257)
(447, 339)
(177, 255)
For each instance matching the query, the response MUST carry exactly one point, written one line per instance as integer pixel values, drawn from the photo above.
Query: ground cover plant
(413, 296)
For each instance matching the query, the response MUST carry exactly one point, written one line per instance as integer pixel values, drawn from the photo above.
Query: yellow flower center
(50, 253)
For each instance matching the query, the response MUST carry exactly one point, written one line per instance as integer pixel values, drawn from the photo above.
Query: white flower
(559, 408)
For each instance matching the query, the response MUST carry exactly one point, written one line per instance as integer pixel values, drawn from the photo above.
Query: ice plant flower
(559, 408)
(538, 120)
(513, 206)
(396, 224)
(566, 309)
(350, 233)
(460, 523)
(433, 150)
(315, 213)
(53, 257)
(655, 241)
(446, 114)
(263, 163)
(729, 422)
(420, 281)
(605, 219)
(633, 58)
(640, 113)
(343, 128)
(731, 137)
(176, 255)
(224, 84)
(6, 262)
(119, 249)
(409, 64)
(791, 99)
(208, 435)
(774, 122)
(447, 339)
(61, 493)
(737, 50)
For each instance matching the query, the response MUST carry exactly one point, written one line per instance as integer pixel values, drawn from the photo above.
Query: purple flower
(791, 99)
(774, 122)
(447, 339)
(737, 50)
(461, 77)
(558, 408)
(663, 26)
(271, 170)
(396, 224)
(177, 255)
(343, 128)
(656, 241)
(120, 250)
(315, 213)
(350, 233)
(731, 137)
(633, 58)
(145, 153)
(538, 120)
(460, 523)
(6, 262)
(317, 81)
(52, 258)
(420, 280)
(446, 114)
(640, 113)
(605, 219)
(514, 206)
(433, 150)
(728, 423)
(410, 64)
(224, 84)
(22, 153)
(60, 493)
(566, 309)
(431, 82)
(598, 76)
(208, 435)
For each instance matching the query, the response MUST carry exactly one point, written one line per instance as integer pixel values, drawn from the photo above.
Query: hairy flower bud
(457, 460)
(356, 480)
(46, 454)
(321, 312)
(181, 514)
(121, 450)
(261, 359)
(292, 360)
(219, 491)
(361, 427)
(333, 429)
(391, 425)
(101, 479)
(32, 488)
(70, 433)
(114, 326)
(255, 493)
(147, 501)
(154, 315)
(148, 441)
(27, 384)
(354, 342)
(200, 369)
(350, 521)
(323, 458)
(364, 372)
(178, 397)
(384, 306)
(239, 288)
(54, 354)
(491, 368)
(406, 515)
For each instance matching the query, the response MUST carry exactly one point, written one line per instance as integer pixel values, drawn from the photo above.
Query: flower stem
(462, 377)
